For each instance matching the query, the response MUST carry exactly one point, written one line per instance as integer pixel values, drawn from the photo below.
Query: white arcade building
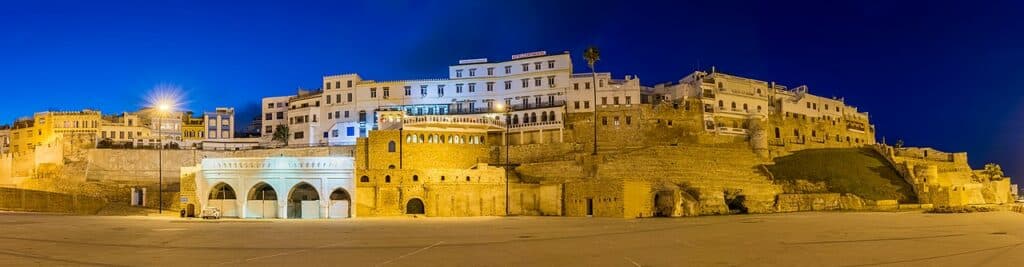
(278, 187)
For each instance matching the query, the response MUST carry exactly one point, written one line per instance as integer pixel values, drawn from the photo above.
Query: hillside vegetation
(859, 171)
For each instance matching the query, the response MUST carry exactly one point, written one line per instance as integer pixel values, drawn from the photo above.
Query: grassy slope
(859, 171)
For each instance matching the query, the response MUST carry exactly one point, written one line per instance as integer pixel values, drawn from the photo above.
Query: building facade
(220, 124)
(533, 88)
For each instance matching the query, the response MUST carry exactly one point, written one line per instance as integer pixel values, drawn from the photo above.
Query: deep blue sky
(934, 74)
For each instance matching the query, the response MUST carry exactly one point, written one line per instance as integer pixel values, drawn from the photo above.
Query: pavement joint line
(937, 257)
(411, 253)
(637, 264)
(871, 240)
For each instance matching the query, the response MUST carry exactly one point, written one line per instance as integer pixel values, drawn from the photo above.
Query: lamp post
(162, 109)
(508, 124)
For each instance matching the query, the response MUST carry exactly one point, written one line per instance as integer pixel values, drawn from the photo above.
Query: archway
(261, 202)
(415, 206)
(303, 202)
(190, 210)
(341, 203)
(222, 197)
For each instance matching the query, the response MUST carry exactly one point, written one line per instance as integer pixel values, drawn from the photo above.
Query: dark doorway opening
(190, 210)
(590, 207)
(415, 206)
(735, 204)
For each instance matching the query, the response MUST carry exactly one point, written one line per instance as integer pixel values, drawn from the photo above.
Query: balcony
(452, 110)
(732, 131)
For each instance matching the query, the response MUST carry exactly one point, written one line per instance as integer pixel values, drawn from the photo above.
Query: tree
(281, 134)
(592, 55)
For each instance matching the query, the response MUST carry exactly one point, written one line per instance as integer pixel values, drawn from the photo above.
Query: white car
(210, 213)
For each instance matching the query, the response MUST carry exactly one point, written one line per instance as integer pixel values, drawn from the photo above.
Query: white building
(276, 187)
(220, 124)
(530, 84)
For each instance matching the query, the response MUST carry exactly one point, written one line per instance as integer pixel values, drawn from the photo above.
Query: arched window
(551, 115)
(387, 179)
(442, 177)
(733, 105)
(391, 146)
(543, 116)
(721, 104)
(467, 178)
(515, 119)
(415, 178)
(533, 117)
(744, 107)
(364, 179)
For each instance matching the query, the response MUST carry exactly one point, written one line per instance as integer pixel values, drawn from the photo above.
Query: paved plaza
(795, 239)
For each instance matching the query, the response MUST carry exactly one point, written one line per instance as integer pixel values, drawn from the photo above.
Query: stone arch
(261, 201)
(364, 179)
(415, 206)
(222, 196)
(303, 201)
(341, 204)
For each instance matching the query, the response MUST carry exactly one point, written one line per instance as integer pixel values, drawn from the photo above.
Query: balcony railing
(454, 110)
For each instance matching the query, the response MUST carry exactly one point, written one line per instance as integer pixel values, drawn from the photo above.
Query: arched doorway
(222, 197)
(190, 210)
(303, 202)
(341, 203)
(261, 202)
(415, 206)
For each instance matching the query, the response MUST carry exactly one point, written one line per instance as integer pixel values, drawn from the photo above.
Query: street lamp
(508, 123)
(162, 109)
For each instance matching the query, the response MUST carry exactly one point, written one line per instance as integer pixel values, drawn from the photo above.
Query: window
(337, 98)
(327, 85)
(536, 66)
(349, 97)
(604, 121)
(551, 81)
(330, 115)
(629, 100)
(576, 86)
(604, 100)
(586, 85)
(458, 88)
(408, 90)
(269, 116)
(373, 92)
(576, 105)
(508, 69)
(270, 105)
(280, 115)
(334, 133)
(490, 71)
(415, 178)
(298, 135)
(387, 92)
(808, 104)
(526, 83)
(346, 114)
(472, 72)
(490, 86)
(391, 146)
(458, 73)
(472, 87)
(423, 89)
(615, 100)
(508, 85)
(350, 131)
(349, 83)
(551, 64)
(526, 66)
(325, 134)
(364, 179)
(744, 107)
(721, 104)
(270, 129)
(600, 83)
(586, 104)
(536, 81)
(629, 120)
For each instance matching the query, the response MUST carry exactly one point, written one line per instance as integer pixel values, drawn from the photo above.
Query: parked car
(210, 213)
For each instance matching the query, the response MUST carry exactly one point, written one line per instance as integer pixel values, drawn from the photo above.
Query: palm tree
(592, 55)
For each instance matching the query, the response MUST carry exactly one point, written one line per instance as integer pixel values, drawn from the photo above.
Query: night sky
(941, 75)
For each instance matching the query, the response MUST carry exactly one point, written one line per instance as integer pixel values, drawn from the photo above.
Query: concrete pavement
(794, 239)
